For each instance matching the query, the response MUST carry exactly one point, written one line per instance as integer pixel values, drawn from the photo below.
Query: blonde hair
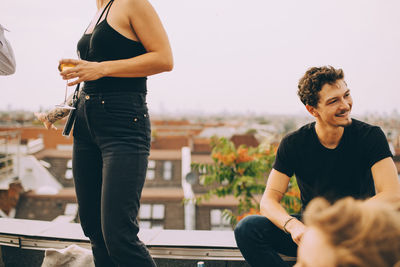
(362, 233)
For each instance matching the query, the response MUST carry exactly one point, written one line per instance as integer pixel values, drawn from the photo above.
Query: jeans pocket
(123, 115)
(122, 106)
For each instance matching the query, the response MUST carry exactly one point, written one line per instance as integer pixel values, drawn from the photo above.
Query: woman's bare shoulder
(134, 3)
(135, 8)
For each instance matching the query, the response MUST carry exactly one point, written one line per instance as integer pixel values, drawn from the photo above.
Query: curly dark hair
(313, 81)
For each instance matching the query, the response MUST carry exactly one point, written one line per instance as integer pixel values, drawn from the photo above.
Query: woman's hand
(83, 71)
(43, 118)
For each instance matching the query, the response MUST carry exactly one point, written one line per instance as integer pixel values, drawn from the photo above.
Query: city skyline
(229, 56)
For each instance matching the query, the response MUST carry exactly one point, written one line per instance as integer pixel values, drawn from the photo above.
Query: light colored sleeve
(7, 58)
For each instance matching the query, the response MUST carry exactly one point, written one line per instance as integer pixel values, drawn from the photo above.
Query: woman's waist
(115, 100)
(116, 84)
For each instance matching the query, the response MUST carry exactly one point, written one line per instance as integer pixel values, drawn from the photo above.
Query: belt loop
(142, 99)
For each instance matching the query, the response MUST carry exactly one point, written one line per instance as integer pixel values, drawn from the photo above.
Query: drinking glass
(65, 105)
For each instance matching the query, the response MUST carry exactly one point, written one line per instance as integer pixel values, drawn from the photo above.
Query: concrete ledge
(17, 257)
(163, 244)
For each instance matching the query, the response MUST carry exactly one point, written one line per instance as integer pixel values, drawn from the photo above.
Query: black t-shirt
(333, 173)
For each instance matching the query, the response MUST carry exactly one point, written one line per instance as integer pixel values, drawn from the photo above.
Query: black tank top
(104, 44)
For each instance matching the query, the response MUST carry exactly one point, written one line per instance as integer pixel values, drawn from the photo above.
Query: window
(152, 164)
(71, 209)
(151, 216)
(202, 171)
(167, 170)
(158, 211)
(151, 170)
(151, 174)
(218, 221)
(145, 211)
(68, 172)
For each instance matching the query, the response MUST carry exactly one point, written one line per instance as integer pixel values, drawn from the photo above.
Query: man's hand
(296, 229)
(43, 118)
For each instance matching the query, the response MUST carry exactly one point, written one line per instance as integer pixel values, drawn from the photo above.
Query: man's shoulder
(300, 133)
(361, 124)
(364, 134)
(362, 129)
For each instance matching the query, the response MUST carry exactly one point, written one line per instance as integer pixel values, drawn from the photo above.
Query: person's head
(350, 233)
(325, 94)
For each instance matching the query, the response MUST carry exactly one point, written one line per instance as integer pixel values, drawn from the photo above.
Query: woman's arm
(147, 26)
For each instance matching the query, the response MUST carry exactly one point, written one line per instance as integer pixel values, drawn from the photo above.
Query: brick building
(162, 202)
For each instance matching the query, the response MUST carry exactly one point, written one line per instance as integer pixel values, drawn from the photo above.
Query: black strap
(72, 114)
(108, 10)
(76, 92)
(102, 13)
(107, 7)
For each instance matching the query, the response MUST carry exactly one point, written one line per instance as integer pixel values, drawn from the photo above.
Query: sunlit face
(314, 250)
(334, 105)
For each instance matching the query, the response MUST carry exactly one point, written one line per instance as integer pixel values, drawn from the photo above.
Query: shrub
(241, 172)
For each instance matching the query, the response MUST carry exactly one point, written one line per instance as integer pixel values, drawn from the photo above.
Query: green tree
(241, 172)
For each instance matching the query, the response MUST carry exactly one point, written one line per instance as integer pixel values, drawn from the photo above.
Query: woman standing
(124, 43)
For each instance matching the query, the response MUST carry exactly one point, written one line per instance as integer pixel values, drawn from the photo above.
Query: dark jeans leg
(111, 147)
(123, 178)
(87, 168)
(260, 241)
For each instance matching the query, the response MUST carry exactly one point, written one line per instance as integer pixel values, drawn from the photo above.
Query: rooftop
(178, 246)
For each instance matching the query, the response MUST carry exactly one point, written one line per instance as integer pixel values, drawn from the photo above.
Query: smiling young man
(334, 157)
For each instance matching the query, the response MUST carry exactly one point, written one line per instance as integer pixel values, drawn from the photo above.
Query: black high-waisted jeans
(111, 148)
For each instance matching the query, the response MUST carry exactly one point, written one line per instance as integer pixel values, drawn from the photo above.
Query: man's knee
(243, 226)
(249, 226)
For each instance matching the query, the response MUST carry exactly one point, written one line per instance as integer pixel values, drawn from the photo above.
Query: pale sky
(230, 55)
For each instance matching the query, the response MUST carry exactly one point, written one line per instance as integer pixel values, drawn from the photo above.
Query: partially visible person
(350, 233)
(7, 58)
